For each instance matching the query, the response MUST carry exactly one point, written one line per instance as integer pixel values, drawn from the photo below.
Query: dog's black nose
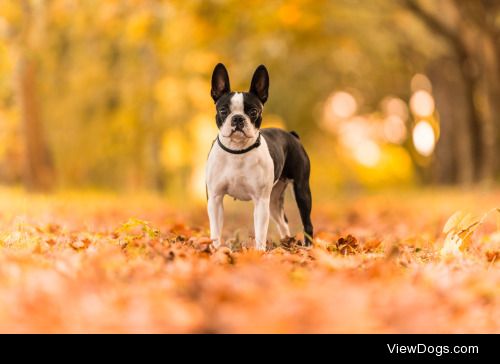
(238, 121)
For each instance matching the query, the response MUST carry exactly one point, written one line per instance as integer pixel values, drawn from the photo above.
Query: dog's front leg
(261, 222)
(216, 217)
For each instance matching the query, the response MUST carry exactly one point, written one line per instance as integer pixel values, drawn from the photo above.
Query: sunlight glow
(354, 132)
(422, 103)
(4, 26)
(343, 105)
(367, 153)
(424, 138)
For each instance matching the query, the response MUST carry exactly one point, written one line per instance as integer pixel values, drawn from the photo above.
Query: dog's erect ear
(260, 83)
(220, 82)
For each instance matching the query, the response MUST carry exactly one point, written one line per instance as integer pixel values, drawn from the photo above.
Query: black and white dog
(250, 163)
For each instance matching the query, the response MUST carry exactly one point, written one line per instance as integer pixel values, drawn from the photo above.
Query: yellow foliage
(169, 91)
(394, 167)
(289, 14)
(138, 26)
(116, 79)
(200, 61)
(10, 11)
(274, 121)
(174, 150)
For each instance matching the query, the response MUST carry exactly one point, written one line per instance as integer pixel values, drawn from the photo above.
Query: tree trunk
(454, 152)
(39, 172)
(490, 100)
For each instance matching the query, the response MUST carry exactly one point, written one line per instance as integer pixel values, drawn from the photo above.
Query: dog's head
(239, 114)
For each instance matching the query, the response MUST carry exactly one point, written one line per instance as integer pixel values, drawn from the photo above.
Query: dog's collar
(239, 151)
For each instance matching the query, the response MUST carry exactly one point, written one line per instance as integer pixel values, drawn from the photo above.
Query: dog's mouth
(239, 131)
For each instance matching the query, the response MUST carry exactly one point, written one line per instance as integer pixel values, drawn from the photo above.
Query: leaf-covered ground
(95, 263)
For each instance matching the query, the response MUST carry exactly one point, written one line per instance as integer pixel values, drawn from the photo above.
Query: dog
(250, 163)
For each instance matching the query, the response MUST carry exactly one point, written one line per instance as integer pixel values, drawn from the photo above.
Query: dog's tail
(295, 134)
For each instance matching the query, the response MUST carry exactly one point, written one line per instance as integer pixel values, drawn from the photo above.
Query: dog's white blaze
(237, 105)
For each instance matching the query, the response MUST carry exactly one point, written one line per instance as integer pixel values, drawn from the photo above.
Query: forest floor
(381, 263)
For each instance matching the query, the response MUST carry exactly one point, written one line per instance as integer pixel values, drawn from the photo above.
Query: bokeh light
(394, 129)
(353, 131)
(422, 103)
(424, 138)
(367, 153)
(421, 82)
(395, 106)
(343, 105)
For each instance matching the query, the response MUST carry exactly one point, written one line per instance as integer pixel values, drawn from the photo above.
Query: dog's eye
(253, 113)
(223, 112)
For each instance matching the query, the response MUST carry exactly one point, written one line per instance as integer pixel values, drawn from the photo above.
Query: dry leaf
(451, 246)
(347, 245)
(453, 222)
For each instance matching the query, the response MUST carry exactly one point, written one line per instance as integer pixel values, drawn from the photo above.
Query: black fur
(292, 163)
(260, 83)
(222, 105)
(253, 107)
(220, 82)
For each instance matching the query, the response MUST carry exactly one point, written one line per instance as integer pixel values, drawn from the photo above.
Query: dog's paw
(261, 247)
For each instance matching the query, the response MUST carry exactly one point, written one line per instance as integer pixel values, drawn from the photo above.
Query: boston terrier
(250, 163)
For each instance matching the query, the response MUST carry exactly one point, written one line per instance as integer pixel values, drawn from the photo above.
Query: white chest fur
(247, 176)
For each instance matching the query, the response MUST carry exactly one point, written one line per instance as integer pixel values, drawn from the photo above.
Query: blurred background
(115, 95)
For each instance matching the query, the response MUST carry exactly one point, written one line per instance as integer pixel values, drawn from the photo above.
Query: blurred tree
(38, 170)
(454, 153)
(472, 32)
(115, 94)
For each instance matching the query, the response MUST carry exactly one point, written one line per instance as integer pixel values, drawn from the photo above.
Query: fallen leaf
(347, 245)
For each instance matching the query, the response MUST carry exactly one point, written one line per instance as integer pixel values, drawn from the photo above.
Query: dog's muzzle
(238, 122)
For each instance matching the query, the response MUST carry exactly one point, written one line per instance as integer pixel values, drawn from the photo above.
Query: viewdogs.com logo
(437, 350)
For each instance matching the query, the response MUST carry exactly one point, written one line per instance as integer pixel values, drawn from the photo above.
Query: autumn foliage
(93, 263)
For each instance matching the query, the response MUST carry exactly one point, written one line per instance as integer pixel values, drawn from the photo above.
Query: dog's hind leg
(277, 207)
(303, 197)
